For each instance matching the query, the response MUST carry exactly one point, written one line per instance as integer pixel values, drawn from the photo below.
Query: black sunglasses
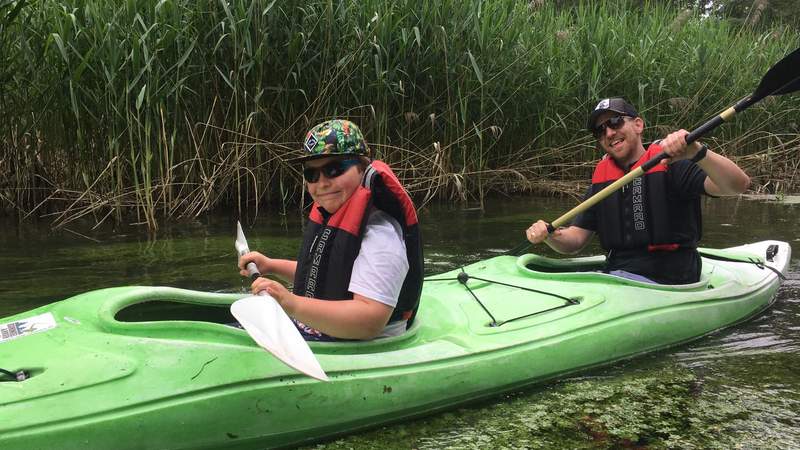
(331, 170)
(615, 123)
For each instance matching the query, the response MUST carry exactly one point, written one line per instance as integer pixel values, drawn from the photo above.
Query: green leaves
(140, 97)
(197, 84)
(475, 67)
(9, 10)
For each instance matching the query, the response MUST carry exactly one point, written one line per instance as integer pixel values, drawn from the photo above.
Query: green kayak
(154, 367)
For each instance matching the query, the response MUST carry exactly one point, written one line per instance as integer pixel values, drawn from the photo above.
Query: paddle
(267, 323)
(781, 78)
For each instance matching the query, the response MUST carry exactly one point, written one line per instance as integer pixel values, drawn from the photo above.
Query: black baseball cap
(616, 104)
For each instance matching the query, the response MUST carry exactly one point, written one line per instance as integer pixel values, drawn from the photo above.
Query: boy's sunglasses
(615, 123)
(331, 170)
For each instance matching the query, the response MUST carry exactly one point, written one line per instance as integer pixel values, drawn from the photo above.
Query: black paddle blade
(782, 78)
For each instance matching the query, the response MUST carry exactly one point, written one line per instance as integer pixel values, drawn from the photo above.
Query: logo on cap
(311, 142)
(603, 104)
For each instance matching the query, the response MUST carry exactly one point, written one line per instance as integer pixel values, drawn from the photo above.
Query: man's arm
(566, 241)
(724, 177)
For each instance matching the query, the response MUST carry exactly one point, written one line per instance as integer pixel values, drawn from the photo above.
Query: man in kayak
(650, 228)
(359, 270)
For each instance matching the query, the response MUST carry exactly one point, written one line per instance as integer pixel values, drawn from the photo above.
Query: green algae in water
(663, 410)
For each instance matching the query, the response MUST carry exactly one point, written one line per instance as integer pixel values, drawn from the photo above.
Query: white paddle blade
(241, 242)
(267, 323)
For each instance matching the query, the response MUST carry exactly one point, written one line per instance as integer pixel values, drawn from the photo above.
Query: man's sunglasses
(331, 170)
(615, 123)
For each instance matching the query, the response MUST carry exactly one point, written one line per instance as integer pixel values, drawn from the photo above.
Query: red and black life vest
(331, 242)
(644, 215)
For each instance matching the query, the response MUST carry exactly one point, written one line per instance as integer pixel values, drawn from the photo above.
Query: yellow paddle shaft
(598, 197)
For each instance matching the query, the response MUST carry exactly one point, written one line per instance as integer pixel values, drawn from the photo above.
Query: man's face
(624, 144)
(332, 192)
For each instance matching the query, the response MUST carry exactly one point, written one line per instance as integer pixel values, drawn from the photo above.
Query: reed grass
(149, 110)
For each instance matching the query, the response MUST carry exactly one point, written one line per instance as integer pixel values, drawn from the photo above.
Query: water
(738, 388)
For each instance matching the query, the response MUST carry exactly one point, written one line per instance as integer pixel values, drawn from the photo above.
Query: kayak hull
(100, 382)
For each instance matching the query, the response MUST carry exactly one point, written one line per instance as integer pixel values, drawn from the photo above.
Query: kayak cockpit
(168, 313)
(165, 310)
(543, 264)
(720, 267)
(590, 270)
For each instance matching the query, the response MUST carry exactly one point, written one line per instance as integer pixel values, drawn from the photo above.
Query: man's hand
(537, 233)
(675, 146)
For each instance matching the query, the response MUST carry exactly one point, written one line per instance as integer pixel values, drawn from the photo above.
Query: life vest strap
(663, 247)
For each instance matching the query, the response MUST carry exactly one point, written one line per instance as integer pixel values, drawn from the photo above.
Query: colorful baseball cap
(334, 137)
(615, 104)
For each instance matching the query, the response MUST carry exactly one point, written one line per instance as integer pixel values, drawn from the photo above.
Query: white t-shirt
(381, 265)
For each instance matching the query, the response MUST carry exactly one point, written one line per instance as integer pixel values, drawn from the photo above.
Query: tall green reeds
(169, 108)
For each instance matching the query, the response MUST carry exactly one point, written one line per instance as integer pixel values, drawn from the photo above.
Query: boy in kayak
(358, 274)
(650, 228)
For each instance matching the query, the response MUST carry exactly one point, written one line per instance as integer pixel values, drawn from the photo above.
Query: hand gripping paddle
(267, 323)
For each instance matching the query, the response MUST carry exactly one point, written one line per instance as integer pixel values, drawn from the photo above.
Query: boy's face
(331, 193)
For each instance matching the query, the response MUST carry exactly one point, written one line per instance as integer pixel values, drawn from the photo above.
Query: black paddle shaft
(707, 127)
(782, 78)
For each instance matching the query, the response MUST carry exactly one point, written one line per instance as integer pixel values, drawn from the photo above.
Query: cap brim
(304, 158)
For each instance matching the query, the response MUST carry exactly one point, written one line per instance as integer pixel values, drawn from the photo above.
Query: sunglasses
(615, 123)
(331, 170)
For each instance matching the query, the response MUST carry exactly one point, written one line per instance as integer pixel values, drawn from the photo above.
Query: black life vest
(331, 242)
(644, 215)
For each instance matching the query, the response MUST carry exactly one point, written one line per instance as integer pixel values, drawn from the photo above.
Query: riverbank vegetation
(149, 110)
